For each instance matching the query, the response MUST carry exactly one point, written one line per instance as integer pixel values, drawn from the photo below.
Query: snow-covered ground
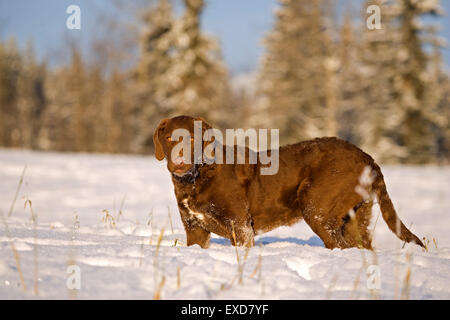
(125, 261)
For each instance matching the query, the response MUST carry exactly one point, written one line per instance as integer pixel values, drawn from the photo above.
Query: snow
(117, 257)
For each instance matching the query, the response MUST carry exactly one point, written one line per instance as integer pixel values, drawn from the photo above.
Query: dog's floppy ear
(159, 154)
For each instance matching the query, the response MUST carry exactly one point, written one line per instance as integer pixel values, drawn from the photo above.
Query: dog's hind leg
(325, 226)
(341, 231)
(328, 232)
(355, 226)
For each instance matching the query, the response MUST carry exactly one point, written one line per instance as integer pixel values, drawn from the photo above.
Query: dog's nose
(179, 161)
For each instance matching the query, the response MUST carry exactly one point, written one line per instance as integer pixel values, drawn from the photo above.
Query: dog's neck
(198, 171)
(190, 176)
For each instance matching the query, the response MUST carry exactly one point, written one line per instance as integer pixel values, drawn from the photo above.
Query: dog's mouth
(181, 172)
(186, 176)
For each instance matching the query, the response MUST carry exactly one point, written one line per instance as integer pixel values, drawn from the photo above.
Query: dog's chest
(199, 213)
(192, 210)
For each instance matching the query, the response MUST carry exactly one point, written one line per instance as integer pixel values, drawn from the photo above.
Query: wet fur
(316, 182)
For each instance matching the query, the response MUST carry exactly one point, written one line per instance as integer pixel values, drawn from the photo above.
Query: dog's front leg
(242, 234)
(198, 235)
(195, 234)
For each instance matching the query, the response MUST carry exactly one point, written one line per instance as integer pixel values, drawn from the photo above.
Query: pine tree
(399, 92)
(10, 65)
(117, 116)
(379, 113)
(31, 101)
(197, 79)
(56, 117)
(414, 83)
(92, 124)
(350, 75)
(78, 99)
(66, 118)
(156, 45)
(440, 96)
(298, 76)
(418, 92)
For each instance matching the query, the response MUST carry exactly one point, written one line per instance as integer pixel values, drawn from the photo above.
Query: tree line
(323, 73)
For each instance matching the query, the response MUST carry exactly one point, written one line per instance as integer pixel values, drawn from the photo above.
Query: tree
(350, 76)
(401, 104)
(413, 87)
(379, 113)
(32, 100)
(197, 80)
(298, 75)
(70, 117)
(10, 63)
(117, 116)
(156, 45)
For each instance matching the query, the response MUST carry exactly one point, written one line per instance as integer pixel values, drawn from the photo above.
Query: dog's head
(179, 162)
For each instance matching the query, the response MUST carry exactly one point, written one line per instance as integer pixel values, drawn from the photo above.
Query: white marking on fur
(198, 215)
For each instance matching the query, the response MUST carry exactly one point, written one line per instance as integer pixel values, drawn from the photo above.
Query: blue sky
(239, 24)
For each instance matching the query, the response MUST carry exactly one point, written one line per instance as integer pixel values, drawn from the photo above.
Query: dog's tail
(388, 211)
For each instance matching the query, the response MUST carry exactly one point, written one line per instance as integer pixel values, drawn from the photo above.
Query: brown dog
(316, 181)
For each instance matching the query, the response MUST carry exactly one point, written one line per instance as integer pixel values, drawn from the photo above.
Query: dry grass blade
(120, 213)
(170, 220)
(407, 281)
(331, 287)
(240, 263)
(35, 248)
(407, 285)
(108, 219)
(235, 242)
(239, 276)
(150, 224)
(237, 252)
(11, 209)
(158, 286)
(15, 252)
(435, 243)
(141, 258)
(158, 244)
(159, 289)
(426, 243)
(356, 284)
(375, 224)
(257, 269)
(241, 267)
